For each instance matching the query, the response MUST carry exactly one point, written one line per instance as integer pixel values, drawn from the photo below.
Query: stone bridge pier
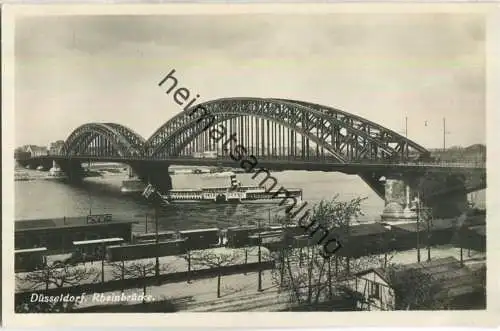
(73, 169)
(155, 173)
(445, 195)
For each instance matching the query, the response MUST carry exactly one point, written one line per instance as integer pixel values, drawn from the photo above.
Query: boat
(233, 193)
(219, 174)
(56, 172)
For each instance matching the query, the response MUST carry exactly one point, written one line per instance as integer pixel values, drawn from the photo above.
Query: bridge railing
(314, 159)
(330, 159)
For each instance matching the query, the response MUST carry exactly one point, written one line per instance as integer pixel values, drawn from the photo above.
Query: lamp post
(444, 134)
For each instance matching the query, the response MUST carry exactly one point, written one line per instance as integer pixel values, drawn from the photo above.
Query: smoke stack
(234, 181)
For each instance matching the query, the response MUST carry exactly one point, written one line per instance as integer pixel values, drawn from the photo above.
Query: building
(364, 239)
(454, 285)
(36, 150)
(435, 232)
(375, 289)
(60, 233)
(55, 147)
(21, 155)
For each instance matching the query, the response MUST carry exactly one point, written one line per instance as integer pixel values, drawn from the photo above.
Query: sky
(383, 67)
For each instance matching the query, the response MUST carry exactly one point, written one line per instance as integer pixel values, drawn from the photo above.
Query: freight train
(363, 239)
(30, 259)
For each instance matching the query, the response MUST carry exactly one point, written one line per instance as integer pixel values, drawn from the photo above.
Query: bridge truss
(265, 128)
(271, 128)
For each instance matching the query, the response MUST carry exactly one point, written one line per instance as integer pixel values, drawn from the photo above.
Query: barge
(233, 193)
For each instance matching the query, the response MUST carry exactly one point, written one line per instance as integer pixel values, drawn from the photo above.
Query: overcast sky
(75, 70)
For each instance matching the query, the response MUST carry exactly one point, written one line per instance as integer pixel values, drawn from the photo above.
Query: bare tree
(309, 276)
(214, 259)
(60, 275)
(136, 270)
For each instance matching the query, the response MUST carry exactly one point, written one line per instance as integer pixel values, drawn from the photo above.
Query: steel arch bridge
(103, 139)
(267, 129)
(269, 126)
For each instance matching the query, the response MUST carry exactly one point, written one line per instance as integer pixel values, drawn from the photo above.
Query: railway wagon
(163, 235)
(201, 238)
(91, 250)
(290, 231)
(271, 239)
(30, 259)
(293, 231)
(238, 236)
(301, 241)
(145, 250)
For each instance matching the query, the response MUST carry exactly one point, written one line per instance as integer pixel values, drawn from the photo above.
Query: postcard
(250, 165)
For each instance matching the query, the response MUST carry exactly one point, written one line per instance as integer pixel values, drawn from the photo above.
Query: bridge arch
(108, 137)
(346, 137)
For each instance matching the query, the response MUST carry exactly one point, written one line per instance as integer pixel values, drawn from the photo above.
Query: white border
(282, 319)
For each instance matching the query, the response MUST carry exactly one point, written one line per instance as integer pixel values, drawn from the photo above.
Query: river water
(52, 198)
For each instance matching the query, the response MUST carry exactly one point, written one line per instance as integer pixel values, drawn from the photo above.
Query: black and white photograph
(261, 161)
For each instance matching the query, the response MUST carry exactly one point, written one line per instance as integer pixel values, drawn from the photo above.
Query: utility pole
(406, 134)
(423, 212)
(406, 126)
(88, 190)
(150, 189)
(418, 228)
(444, 134)
(157, 267)
(103, 257)
(260, 259)
(427, 220)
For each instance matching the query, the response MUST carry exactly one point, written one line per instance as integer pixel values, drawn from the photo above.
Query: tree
(309, 277)
(214, 259)
(415, 289)
(136, 270)
(58, 275)
(187, 257)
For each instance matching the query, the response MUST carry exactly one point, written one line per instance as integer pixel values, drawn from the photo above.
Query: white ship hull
(232, 194)
(231, 198)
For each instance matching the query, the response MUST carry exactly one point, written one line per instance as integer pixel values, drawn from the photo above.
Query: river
(52, 198)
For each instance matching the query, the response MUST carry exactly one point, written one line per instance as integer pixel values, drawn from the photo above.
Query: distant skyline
(383, 67)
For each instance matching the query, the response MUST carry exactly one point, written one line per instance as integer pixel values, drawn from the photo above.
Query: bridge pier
(73, 169)
(444, 194)
(155, 173)
(398, 197)
(131, 172)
